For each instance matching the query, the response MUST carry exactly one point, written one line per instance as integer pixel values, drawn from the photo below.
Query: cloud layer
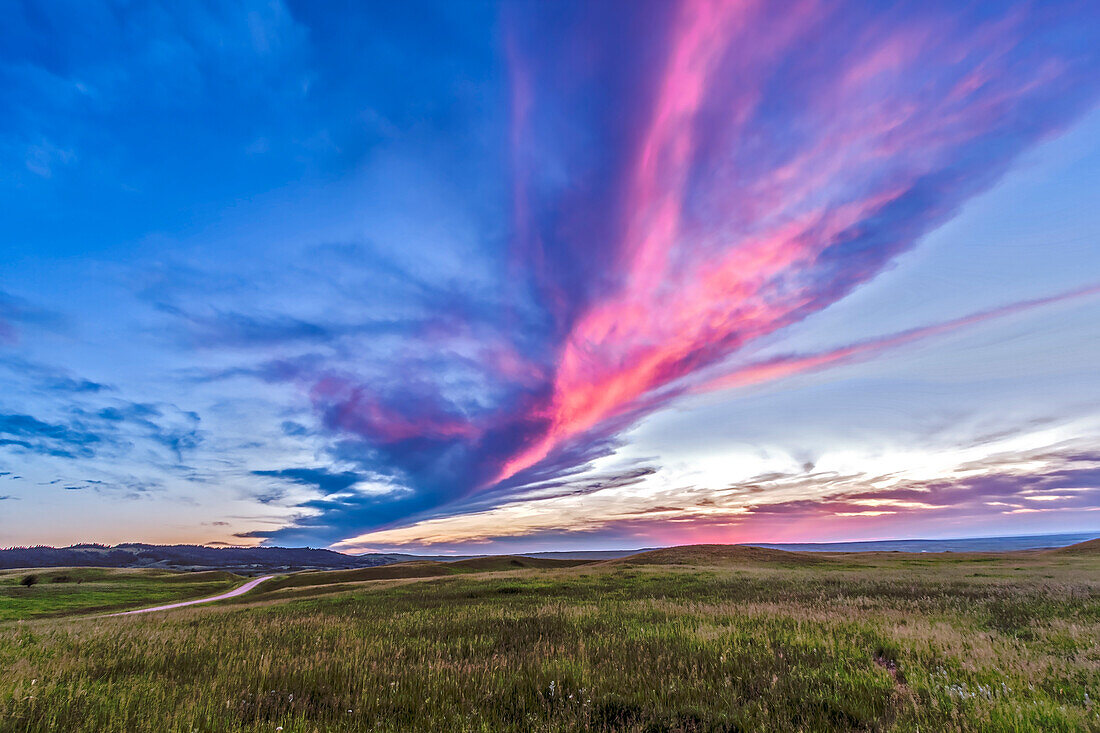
(679, 194)
(990, 494)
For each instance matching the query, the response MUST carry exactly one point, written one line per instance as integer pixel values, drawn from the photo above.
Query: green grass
(69, 591)
(852, 642)
(511, 562)
(326, 582)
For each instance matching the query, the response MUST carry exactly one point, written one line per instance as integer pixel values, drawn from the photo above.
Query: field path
(238, 591)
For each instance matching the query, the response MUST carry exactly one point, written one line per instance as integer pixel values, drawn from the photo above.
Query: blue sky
(456, 277)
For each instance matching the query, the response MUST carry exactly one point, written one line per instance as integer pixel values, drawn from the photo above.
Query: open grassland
(328, 581)
(704, 639)
(69, 591)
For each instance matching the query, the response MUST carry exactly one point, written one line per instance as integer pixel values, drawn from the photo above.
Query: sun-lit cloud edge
(1045, 471)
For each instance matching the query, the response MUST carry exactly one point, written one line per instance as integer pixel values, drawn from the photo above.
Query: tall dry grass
(872, 643)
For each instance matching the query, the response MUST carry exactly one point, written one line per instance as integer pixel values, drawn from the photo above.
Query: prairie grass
(854, 642)
(68, 591)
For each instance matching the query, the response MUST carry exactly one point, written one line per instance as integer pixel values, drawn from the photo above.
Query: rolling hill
(715, 555)
(190, 557)
(1090, 547)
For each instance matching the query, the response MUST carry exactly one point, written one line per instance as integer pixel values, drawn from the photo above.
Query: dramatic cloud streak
(717, 172)
(789, 365)
(736, 221)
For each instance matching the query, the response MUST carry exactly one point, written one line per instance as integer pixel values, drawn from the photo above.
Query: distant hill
(286, 559)
(719, 555)
(513, 562)
(1091, 547)
(191, 557)
(586, 554)
(957, 544)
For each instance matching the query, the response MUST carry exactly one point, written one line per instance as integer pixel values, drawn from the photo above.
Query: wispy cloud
(327, 482)
(788, 365)
(16, 312)
(82, 431)
(222, 329)
(54, 439)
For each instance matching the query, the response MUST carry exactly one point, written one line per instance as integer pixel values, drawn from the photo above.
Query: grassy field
(695, 639)
(329, 581)
(70, 591)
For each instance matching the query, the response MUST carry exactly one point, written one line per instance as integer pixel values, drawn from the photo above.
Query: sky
(500, 277)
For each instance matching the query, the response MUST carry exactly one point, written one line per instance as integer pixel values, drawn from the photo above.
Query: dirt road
(241, 590)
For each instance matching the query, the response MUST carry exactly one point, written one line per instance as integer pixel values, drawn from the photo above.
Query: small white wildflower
(292, 697)
(279, 728)
(349, 710)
